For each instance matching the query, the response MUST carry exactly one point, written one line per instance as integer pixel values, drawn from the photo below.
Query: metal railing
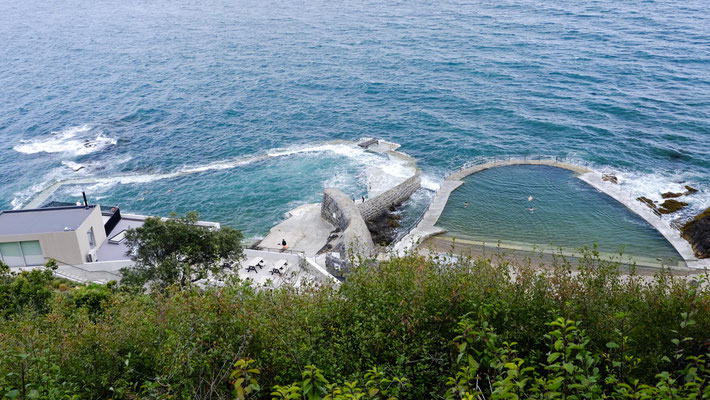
(87, 272)
(273, 250)
(478, 160)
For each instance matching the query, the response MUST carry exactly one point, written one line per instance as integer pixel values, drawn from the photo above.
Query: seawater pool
(567, 213)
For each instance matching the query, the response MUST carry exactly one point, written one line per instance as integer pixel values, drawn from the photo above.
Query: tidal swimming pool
(548, 208)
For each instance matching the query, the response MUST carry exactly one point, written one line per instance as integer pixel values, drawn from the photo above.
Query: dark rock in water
(690, 189)
(383, 228)
(671, 206)
(650, 203)
(610, 178)
(697, 233)
(645, 200)
(671, 195)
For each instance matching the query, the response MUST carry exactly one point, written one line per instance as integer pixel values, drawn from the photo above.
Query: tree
(178, 251)
(27, 290)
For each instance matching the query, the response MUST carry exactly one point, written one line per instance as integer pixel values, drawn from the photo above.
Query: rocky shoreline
(697, 233)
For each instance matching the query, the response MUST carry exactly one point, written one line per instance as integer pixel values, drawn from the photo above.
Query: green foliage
(315, 386)
(25, 291)
(93, 298)
(408, 328)
(177, 251)
(244, 379)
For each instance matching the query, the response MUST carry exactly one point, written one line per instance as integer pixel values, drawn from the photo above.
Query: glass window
(11, 254)
(92, 240)
(32, 252)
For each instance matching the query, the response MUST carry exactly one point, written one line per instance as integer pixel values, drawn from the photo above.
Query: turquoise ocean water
(133, 92)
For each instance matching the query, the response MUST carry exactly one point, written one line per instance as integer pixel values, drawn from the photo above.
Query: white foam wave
(430, 183)
(73, 165)
(393, 167)
(74, 141)
(26, 195)
(653, 185)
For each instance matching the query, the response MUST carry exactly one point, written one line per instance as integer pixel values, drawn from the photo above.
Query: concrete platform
(304, 231)
(425, 228)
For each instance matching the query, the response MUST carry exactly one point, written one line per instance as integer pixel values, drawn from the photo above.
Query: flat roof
(43, 220)
(111, 251)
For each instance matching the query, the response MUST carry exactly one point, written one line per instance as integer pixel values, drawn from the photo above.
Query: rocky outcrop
(650, 203)
(671, 195)
(670, 206)
(690, 190)
(667, 207)
(697, 233)
(384, 227)
(610, 178)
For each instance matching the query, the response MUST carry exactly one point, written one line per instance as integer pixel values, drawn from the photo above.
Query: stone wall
(379, 205)
(339, 210)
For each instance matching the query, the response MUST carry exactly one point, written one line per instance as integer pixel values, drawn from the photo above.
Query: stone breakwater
(336, 229)
(352, 236)
(373, 208)
(338, 209)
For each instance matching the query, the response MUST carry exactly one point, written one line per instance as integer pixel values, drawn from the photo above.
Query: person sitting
(283, 245)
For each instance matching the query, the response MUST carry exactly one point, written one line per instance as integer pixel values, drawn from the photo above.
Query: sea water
(131, 94)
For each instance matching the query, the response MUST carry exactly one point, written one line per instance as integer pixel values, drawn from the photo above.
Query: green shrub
(441, 328)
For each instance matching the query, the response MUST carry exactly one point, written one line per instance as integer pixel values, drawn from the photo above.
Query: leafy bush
(429, 327)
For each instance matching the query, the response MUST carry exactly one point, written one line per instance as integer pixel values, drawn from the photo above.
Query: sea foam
(74, 141)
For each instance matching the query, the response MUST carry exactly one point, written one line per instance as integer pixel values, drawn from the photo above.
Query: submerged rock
(697, 233)
(610, 178)
(671, 206)
(645, 200)
(690, 190)
(670, 195)
(650, 203)
(383, 228)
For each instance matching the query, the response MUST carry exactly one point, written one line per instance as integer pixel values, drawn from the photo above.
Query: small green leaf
(568, 367)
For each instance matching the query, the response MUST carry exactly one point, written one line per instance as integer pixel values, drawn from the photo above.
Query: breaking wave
(74, 141)
(394, 167)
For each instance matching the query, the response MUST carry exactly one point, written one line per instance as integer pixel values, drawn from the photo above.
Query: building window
(11, 254)
(32, 252)
(92, 240)
(21, 254)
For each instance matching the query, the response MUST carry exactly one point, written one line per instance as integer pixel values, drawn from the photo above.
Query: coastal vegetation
(411, 327)
(178, 250)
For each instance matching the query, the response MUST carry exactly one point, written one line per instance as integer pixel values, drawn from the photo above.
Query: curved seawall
(427, 228)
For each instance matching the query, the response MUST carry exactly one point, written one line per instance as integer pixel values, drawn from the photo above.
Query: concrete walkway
(304, 231)
(426, 227)
(459, 175)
